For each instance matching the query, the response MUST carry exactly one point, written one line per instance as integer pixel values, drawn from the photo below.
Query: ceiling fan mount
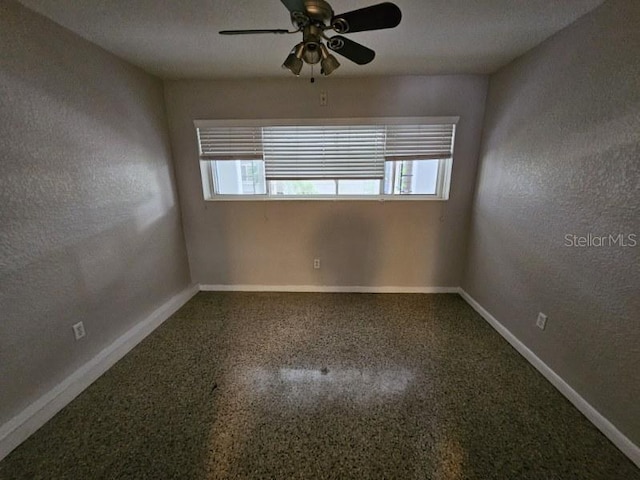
(313, 18)
(315, 10)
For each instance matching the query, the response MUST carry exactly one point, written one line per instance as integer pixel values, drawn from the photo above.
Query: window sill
(326, 198)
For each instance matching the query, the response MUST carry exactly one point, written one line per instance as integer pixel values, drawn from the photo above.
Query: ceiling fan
(314, 17)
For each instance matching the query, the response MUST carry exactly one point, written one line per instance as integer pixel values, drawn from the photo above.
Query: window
(320, 159)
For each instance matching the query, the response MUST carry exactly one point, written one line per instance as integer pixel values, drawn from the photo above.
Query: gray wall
(362, 243)
(561, 156)
(90, 225)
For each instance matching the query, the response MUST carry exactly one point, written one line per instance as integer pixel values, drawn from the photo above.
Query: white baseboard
(20, 427)
(619, 439)
(325, 289)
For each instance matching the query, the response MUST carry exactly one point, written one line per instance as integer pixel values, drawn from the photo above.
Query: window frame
(445, 166)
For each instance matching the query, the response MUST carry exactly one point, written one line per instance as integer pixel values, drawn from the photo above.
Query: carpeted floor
(257, 385)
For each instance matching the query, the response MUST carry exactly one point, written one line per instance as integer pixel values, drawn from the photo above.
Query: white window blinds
(339, 151)
(230, 143)
(419, 142)
(324, 152)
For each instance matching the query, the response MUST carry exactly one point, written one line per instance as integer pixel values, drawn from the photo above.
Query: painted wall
(361, 243)
(89, 221)
(561, 156)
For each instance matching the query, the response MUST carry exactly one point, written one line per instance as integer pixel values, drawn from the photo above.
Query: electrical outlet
(316, 263)
(541, 322)
(324, 99)
(78, 330)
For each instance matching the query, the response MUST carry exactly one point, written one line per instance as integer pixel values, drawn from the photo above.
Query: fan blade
(352, 50)
(250, 32)
(294, 5)
(375, 17)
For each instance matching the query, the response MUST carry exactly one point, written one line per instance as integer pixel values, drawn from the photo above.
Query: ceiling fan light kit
(314, 17)
(294, 61)
(329, 63)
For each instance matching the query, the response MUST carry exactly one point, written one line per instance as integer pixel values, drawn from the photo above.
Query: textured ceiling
(179, 39)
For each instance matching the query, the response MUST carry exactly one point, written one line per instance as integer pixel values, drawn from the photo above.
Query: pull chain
(312, 77)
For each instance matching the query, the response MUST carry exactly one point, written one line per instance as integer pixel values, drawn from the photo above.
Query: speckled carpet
(278, 385)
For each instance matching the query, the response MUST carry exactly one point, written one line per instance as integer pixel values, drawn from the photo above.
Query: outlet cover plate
(78, 330)
(541, 322)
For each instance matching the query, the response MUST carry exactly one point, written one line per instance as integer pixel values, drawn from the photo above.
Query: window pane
(302, 187)
(240, 177)
(358, 187)
(411, 177)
